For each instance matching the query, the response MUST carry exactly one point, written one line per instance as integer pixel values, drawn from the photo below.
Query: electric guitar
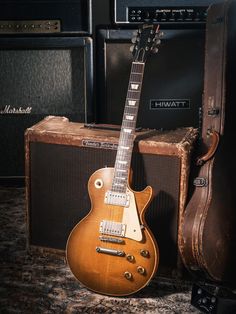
(112, 251)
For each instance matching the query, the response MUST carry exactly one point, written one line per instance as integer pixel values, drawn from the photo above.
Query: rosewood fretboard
(127, 134)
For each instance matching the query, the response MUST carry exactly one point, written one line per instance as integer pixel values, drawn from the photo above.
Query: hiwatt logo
(169, 104)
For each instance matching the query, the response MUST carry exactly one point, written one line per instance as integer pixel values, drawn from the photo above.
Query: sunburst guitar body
(112, 251)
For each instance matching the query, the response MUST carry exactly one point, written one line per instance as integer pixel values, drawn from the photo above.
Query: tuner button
(213, 300)
(155, 50)
(128, 275)
(141, 270)
(204, 300)
(135, 33)
(131, 48)
(134, 39)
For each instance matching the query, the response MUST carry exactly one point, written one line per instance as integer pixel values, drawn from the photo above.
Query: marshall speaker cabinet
(62, 155)
(44, 70)
(173, 81)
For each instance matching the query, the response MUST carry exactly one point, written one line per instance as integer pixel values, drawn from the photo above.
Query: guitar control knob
(141, 270)
(130, 257)
(144, 253)
(128, 275)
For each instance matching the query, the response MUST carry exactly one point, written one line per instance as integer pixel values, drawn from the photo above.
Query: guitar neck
(127, 133)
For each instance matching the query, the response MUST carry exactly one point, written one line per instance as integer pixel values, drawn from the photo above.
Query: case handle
(214, 144)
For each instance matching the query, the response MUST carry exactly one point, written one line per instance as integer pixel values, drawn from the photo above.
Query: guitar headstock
(146, 41)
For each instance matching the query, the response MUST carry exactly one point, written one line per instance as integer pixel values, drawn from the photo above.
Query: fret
(132, 94)
(119, 184)
(120, 178)
(123, 162)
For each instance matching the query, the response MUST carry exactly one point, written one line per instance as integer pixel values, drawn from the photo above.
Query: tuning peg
(131, 48)
(135, 33)
(155, 50)
(134, 39)
(160, 34)
(157, 41)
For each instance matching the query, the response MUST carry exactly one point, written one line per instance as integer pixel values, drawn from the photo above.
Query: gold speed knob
(130, 257)
(128, 275)
(144, 253)
(141, 270)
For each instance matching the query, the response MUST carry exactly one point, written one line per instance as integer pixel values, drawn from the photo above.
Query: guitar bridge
(109, 251)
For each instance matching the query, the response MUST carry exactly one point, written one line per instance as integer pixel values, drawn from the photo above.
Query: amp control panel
(167, 14)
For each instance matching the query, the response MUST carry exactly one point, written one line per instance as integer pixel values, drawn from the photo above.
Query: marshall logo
(13, 110)
(105, 145)
(169, 104)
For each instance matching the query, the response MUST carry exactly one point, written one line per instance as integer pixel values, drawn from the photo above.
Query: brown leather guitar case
(207, 228)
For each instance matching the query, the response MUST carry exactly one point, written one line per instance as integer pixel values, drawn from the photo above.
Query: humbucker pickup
(114, 198)
(112, 228)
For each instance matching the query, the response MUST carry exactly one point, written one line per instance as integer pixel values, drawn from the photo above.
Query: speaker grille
(48, 79)
(59, 196)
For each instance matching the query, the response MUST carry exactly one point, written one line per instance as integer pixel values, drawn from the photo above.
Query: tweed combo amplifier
(62, 155)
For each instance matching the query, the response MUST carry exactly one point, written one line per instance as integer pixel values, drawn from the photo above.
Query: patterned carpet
(42, 283)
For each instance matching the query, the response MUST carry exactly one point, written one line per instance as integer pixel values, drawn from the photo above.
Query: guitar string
(127, 139)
